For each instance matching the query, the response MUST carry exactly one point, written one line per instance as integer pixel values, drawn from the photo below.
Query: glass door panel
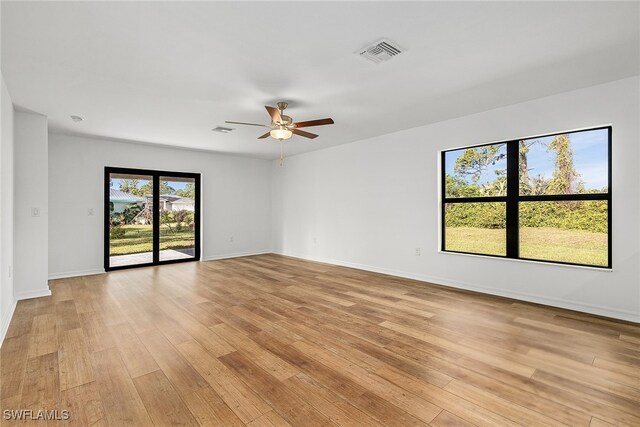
(130, 238)
(177, 218)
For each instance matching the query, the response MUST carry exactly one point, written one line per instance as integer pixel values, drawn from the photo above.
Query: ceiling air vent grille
(380, 51)
(222, 129)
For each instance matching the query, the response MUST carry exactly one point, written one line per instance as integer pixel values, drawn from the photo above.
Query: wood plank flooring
(274, 341)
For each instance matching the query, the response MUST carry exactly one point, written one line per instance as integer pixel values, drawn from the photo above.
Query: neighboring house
(171, 202)
(178, 204)
(122, 200)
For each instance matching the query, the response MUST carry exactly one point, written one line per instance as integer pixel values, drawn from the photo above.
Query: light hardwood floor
(270, 341)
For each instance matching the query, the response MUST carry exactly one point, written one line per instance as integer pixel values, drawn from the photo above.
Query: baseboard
(33, 294)
(537, 299)
(6, 321)
(234, 255)
(67, 274)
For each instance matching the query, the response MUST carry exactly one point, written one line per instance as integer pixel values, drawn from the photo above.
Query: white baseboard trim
(550, 301)
(6, 321)
(33, 294)
(234, 255)
(67, 274)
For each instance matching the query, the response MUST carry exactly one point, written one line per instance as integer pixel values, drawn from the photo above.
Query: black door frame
(108, 170)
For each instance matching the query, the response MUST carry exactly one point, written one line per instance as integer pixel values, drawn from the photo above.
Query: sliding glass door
(130, 219)
(151, 217)
(177, 218)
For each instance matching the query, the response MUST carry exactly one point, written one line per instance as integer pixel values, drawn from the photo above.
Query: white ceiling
(169, 72)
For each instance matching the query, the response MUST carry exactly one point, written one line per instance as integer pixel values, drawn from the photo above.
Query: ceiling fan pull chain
(281, 153)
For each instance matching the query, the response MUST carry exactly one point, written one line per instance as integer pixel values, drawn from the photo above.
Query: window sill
(528, 261)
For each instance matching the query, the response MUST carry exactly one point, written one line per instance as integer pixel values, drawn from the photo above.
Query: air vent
(380, 51)
(222, 129)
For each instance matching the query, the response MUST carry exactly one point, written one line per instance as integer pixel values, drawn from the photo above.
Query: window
(546, 198)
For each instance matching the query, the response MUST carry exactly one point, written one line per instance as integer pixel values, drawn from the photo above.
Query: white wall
(7, 301)
(369, 204)
(236, 199)
(31, 191)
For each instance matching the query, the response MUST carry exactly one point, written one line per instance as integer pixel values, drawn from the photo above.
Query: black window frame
(513, 199)
(156, 174)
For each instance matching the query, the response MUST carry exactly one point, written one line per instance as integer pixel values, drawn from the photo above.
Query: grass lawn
(548, 244)
(476, 240)
(138, 239)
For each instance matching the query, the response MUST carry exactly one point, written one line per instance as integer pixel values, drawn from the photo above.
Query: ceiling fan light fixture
(283, 127)
(281, 134)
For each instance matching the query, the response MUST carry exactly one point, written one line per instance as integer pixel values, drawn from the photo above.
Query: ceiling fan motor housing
(286, 120)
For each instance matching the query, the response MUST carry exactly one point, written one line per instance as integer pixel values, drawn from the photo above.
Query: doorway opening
(151, 217)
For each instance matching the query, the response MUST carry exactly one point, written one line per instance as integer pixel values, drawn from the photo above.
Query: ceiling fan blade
(274, 113)
(243, 123)
(319, 122)
(265, 135)
(304, 133)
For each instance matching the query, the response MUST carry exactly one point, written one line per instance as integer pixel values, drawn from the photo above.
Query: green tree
(538, 185)
(189, 191)
(165, 188)
(474, 161)
(458, 187)
(147, 189)
(166, 218)
(130, 186)
(526, 183)
(497, 187)
(131, 212)
(565, 177)
(143, 190)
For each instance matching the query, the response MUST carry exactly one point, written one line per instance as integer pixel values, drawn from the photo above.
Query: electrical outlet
(315, 241)
(90, 212)
(231, 239)
(10, 271)
(35, 211)
(418, 251)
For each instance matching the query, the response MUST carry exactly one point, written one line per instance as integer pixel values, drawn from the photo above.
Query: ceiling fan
(283, 127)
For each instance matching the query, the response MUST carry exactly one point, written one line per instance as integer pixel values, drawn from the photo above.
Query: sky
(115, 183)
(590, 154)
